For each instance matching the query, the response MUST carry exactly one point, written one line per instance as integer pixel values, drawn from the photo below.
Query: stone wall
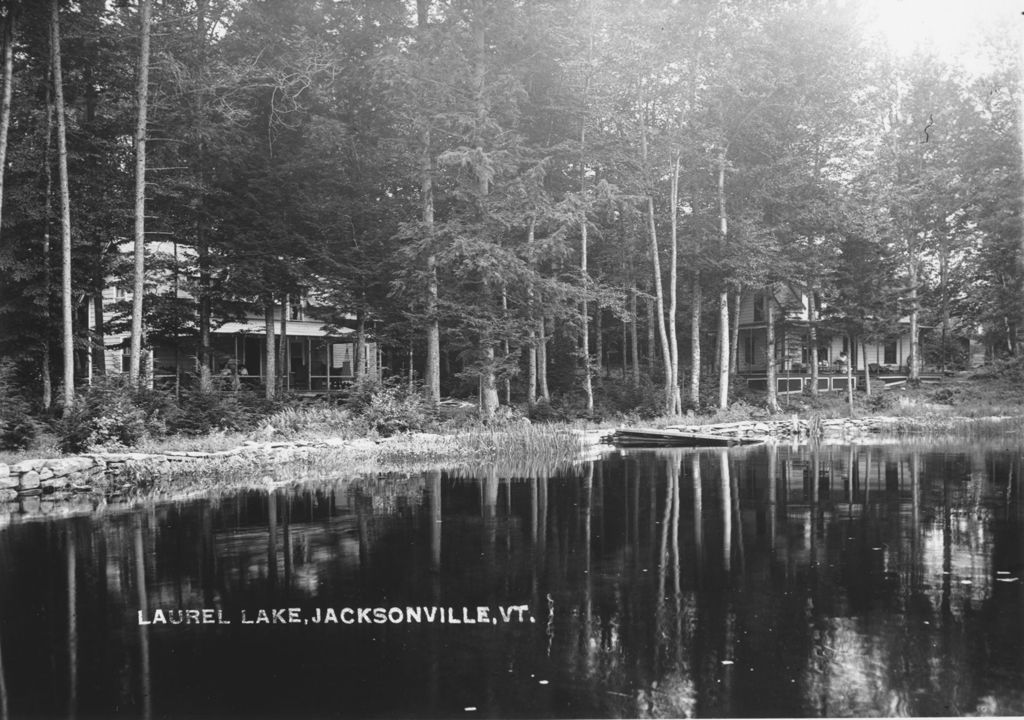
(98, 472)
(35, 477)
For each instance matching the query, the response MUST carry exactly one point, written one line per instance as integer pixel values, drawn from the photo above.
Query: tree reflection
(143, 603)
(72, 565)
(779, 580)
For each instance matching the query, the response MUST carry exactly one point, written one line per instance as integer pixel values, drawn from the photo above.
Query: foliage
(315, 419)
(107, 416)
(363, 155)
(17, 426)
(201, 412)
(392, 409)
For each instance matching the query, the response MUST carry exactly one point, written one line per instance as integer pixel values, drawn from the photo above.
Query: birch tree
(139, 250)
(65, 207)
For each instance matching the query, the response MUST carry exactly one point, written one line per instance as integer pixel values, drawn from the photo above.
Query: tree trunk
(269, 369)
(734, 333)
(5, 103)
(867, 372)
(666, 353)
(65, 207)
(360, 347)
(531, 368)
(532, 344)
(599, 359)
(723, 298)
(674, 400)
(99, 338)
(915, 351)
(944, 281)
(139, 286)
(696, 300)
(432, 376)
(849, 372)
(634, 346)
(812, 339)
(723, 349)
(588, 388)
(488, 386)
(204, 356)
(506, 381)
(652, 348)
(772, 370)
(542, 360)
(47, 369)
(282, 346)
(625, 350)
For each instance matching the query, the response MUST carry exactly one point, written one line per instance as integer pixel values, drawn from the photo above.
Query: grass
(949, 407)
(520, 449)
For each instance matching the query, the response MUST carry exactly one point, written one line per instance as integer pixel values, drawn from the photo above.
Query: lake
(769, 581)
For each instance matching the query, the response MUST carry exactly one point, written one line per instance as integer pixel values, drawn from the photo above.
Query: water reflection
(777, 581)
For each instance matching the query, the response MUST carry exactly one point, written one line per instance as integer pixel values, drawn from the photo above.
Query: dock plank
(666, 437)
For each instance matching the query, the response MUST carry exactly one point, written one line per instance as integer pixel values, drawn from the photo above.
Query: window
(759, 308)
(889, 352)
(296, 311)
(749, 349)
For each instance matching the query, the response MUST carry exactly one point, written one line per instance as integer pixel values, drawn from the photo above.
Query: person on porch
(842, 361)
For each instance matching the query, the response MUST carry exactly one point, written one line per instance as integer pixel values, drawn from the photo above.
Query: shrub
(392, 408)
(17, 427)
(880, 401)
(319, 417)
(201, 412)
(947, 396)
(105, 415)
(614, 397)
(542, 411)
(360, 393)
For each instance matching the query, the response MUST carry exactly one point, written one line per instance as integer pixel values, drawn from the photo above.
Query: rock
(45, 473)
(26, 466)
(55, 483)
(5, 470)
(30, 505)
(66, 466)
(7, 495)
(29, 481)
(8, 482)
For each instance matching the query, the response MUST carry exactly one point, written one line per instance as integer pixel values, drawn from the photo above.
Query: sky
(954, 28)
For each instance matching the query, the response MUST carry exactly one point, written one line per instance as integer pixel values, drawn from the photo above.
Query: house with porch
(886, 359)
(318, 357)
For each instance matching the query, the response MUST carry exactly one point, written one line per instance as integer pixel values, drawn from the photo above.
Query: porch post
(327, 351)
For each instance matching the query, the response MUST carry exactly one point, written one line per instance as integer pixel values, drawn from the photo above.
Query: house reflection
(774, 580)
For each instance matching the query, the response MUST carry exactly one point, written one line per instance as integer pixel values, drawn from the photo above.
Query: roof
(296, 328)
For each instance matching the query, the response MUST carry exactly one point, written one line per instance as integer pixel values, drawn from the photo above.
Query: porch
(312, 365)
(796, 379)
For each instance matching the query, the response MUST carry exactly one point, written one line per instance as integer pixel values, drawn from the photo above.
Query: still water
(777, 581)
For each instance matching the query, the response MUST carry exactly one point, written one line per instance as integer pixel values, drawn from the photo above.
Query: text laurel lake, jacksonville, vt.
(395, 615)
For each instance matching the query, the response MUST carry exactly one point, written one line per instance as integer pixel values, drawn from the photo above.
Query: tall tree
(142, 104)
(433, 370)
(7, 10)
(65, 207)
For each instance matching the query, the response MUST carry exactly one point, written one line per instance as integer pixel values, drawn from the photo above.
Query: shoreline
(98, 478)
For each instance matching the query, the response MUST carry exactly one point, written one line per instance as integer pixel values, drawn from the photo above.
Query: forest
(517, 199)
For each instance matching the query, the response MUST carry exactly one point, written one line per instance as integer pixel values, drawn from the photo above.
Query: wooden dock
(667, 437)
